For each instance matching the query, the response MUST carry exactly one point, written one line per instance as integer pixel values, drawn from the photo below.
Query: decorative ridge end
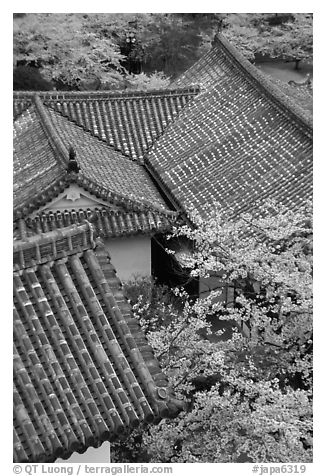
(72, 163)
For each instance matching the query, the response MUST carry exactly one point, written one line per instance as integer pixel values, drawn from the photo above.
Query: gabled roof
(42, 139)
(239, 142)
(83, 369)
(129, 121)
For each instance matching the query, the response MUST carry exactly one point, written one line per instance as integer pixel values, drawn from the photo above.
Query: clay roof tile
(81, 369)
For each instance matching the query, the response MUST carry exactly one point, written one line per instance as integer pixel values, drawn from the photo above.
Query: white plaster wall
(131, 256)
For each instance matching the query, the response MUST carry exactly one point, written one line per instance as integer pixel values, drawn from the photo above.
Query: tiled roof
(109, 223)
(239, 142)
(129, 121)
(36, 165)
(83, 370)
(42, 138)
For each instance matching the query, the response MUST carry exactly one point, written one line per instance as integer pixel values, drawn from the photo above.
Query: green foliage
(249, 398)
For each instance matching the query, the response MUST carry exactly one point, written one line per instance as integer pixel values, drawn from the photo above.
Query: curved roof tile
(83, 370)
(42, 138)
(109, 223)
(36, 164)
(238, 142)
(129, 121)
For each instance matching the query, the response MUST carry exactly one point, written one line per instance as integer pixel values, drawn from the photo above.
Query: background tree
(78, 51)
(66, 49)
(28, 78)
(287, 36)
(249, 398)
(144, 81)
(174, 41)
(93, 51)
(167, 42)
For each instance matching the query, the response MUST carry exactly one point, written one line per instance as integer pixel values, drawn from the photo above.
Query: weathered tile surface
(83, 370)
(109, 223)
(239, 142)
(129, 121)
(42, 139)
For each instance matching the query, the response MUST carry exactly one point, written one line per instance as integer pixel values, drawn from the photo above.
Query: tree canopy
(66, 49)
(286, 36)
(89, 50)
(80, 51)
(249, 397)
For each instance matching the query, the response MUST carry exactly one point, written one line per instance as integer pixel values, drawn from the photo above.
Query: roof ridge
(54, 138)
(169, 125)
(53, 245)
(264, 85)
(123, 94)
(119, 151)
(81, 177)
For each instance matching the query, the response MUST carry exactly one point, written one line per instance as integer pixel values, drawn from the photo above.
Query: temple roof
(129, 121)
(108, 223)
(42, 140)
(240, 141)
(236, 139)
(83, 370)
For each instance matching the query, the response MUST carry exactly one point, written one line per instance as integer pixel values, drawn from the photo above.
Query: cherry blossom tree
(249, 397)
